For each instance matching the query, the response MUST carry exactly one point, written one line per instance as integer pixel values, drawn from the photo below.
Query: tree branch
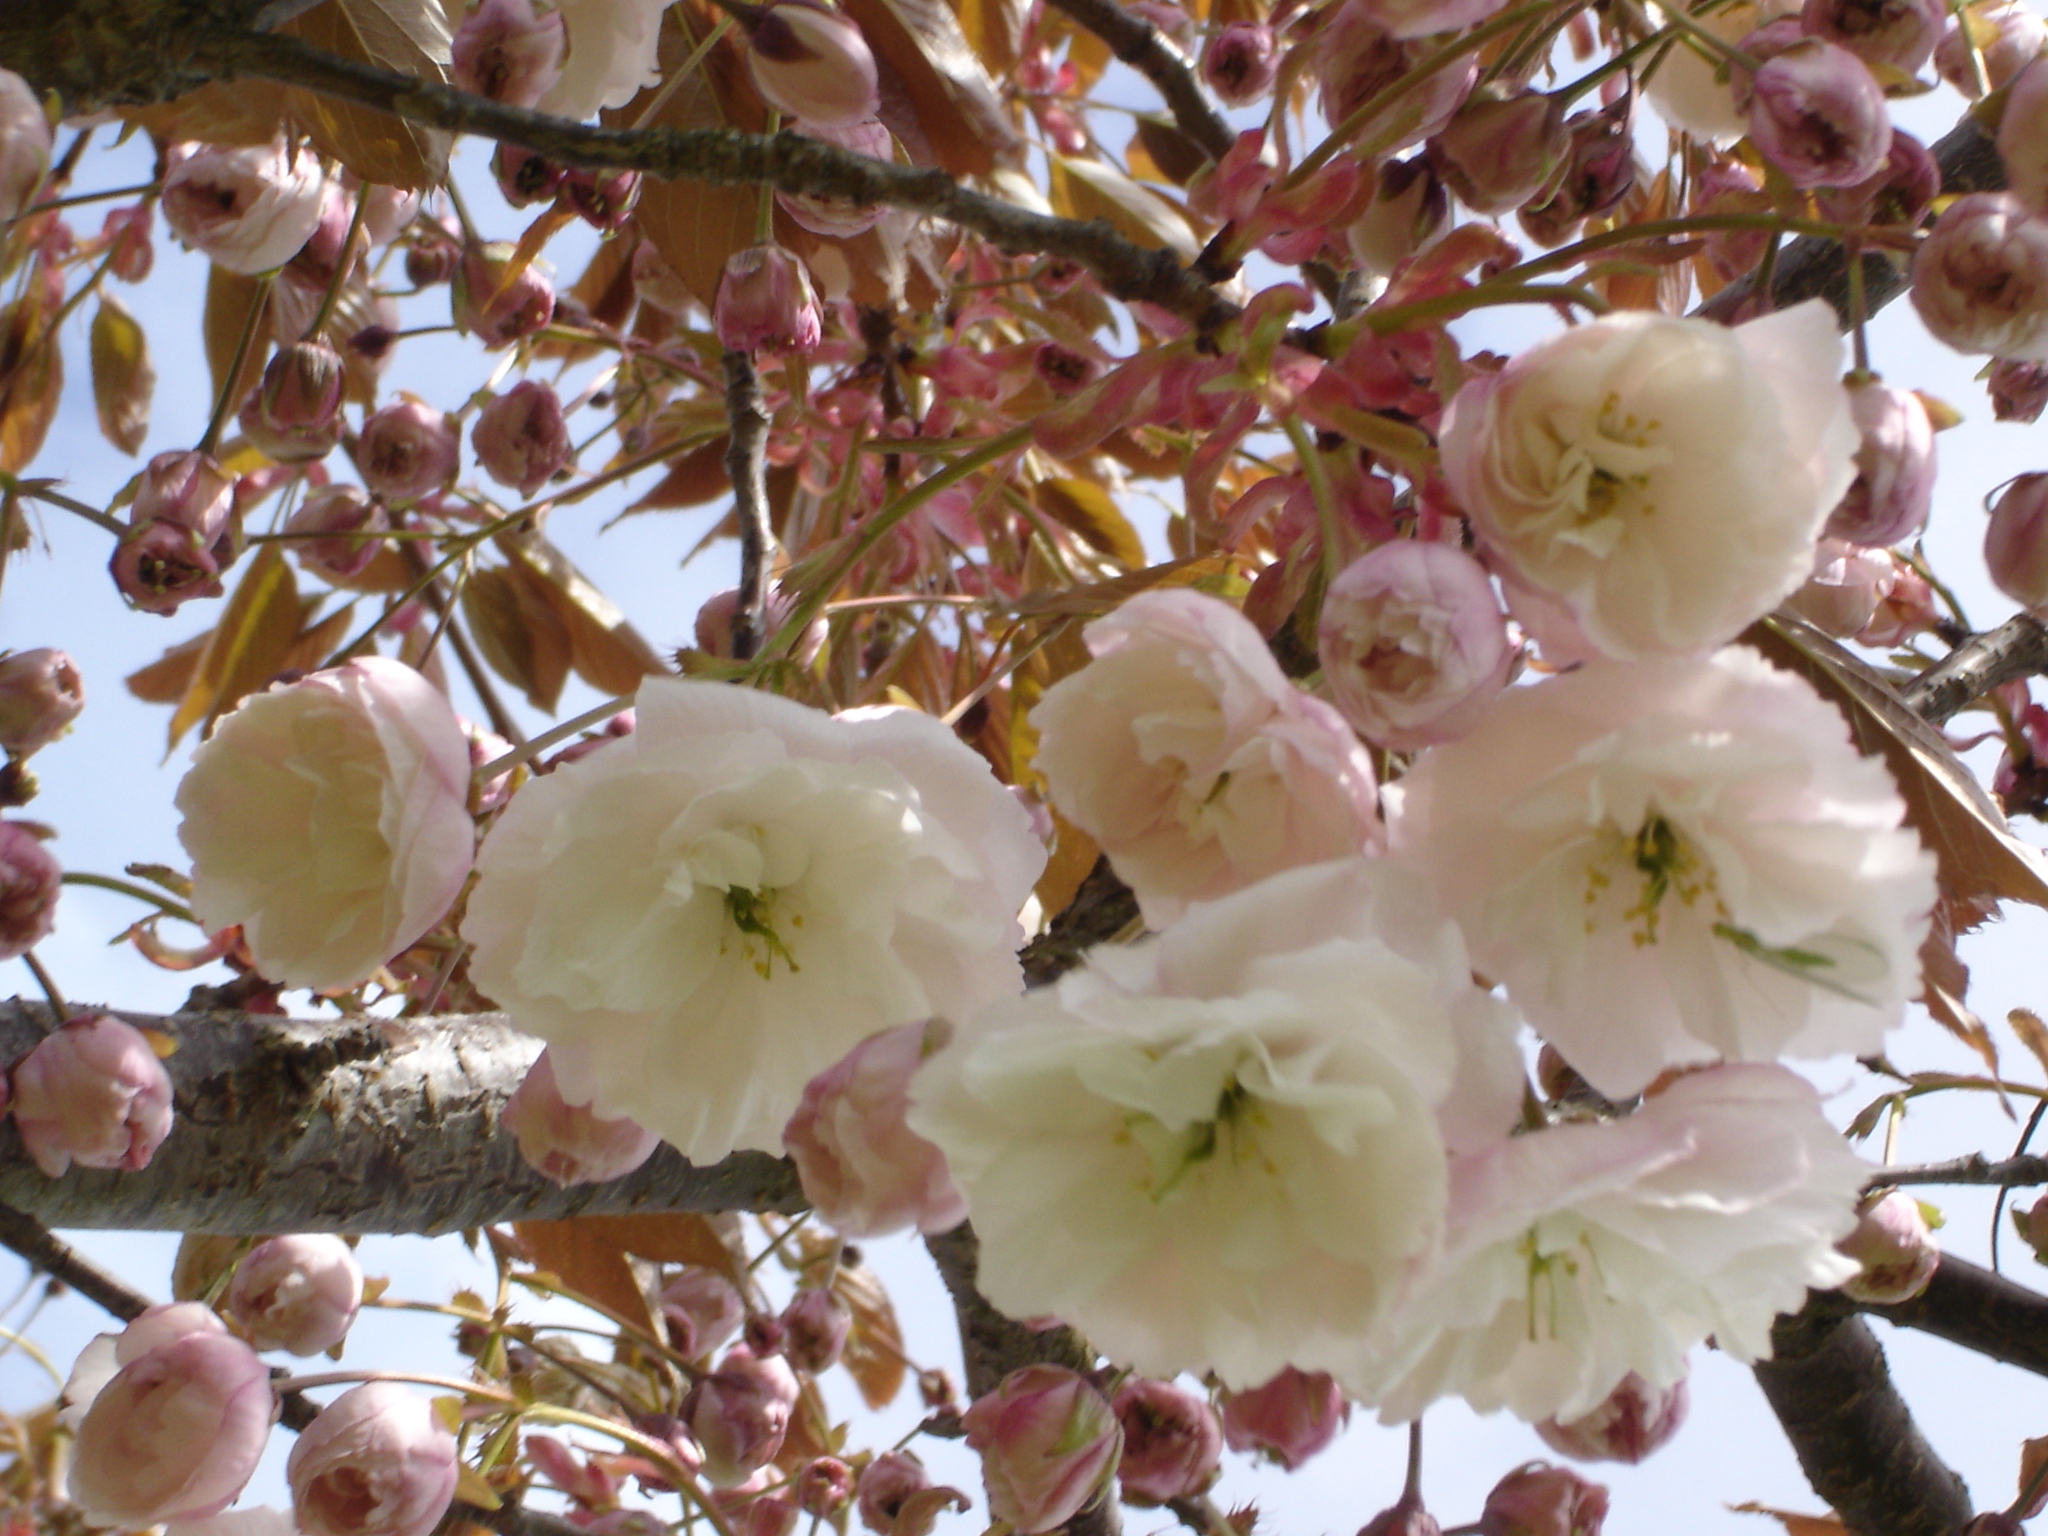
(50, 1254)
(1152, 54)
(2017, 648)
(746, 466)
(1975, 1308)
(2012, 1173)
(350, 1125)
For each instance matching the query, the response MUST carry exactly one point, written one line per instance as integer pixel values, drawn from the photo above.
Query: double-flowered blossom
(709, 912)
(610, 55)
(247, 210)
(298, 1293)
(1222, 1115)
(1676, 861)
(1580, 1253)
(1663, 479)
(1185, 752)
(93, 1093)
(377, 1461)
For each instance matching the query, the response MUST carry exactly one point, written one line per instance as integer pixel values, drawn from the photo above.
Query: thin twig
(56, 1258)
(746, 465)
(2012, 1173)
(1136, 42)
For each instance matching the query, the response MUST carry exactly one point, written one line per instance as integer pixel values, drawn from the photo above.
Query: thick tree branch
(746, 466)
(351, 1125)
(1973, 1307)
(2017, 648)
(1152, 54)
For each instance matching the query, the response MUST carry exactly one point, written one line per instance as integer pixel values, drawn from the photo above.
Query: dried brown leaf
(1796, 1525)
(522, 638)
(122, 377)
(2032, 1032)
(31, 382)
(247, 648)
(605, 650)
(410, 37)
(874, 1346)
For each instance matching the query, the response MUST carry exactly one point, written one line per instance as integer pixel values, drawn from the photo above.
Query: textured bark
(354, 1125)
(2017, 648)
(1854, 1436)
(1979, 1310)
(1152, 54)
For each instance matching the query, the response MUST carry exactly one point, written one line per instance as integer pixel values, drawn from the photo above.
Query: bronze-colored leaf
(203, 1261)
(1088, 189)
(247, 648)
(994, 29)
(2032, 1032)
(31, 382)
(1089, 511)
(874, 1346)
(522, 637)
(1074, 854)
(229, 298)
(317, 637)
(165, 680)
(122, 377)
(606, 651)
(2033, 1494)
(694, 478)
(1795, 1524)
(958, 110)
(588, 1253)
(410, 37)
(1161, 148)
(244, 114)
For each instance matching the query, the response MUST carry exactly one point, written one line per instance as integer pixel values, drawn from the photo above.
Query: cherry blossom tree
(1371, 934)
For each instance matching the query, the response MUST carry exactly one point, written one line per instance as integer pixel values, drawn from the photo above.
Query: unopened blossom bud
(521, 438)
(377, 1461)
(1049, 1443)
(1499, 152)
(1905, 611)
(602, 199)
(1405, 1517)
(824, 1487)
(431, 258)
(327, 254)
(41, 693)
(525, 177)
(295, 414)
(2019, 391)
(1599, 171)
(248, 210)
(189, 489)
(1900, 193)
(1289, 1418)
(765, 301)
(1894, 1245)
(2023, 136)
(24, 144)
(408, 449)
(507, 51)
(298, 1293)
(1410, 208)
(701, 1311)
(816, 1324)
(837, 217)
(768, 1514)
(1241, 63)
(337, 532)
(160, 565)
(93, 1093)
(30, 882)
(886, 1484)
(812, 63)
(1542, 1500)
(1980, 279)
(130, 253)
(2009, 36)
(1848, 583)
(1819, 115)
(494, 306)
(1894, 487)
(1631, 1422)
(763, 1335)
(387, 211)
(739, 1414)
(1357, 60)
(175, 1434)
(1173, 1441)
(570, 1143)
(2016, 543)
(1897, 34)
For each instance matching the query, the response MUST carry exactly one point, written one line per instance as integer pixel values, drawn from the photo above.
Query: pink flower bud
(248, 210)
(1599, 171)
(1500, 152)
(377, 1462)
(2009, 37)
(1894, 487)
(338, 531)
(175, 1434)
(2023, 136)
(126, 232)
(407, 450)
(569, 1143)
(815, 1324)
(886, 1484)
(295, 414)
(864, 1171)
(602, 199)
(1356, 59)
(824, 1487)
(1405, 1517)
(298, 1293)
(92, 1092)
(769, 1514)
(2016, 543)
(1241, 63)
(765, 301)
(189, 489)
(508, 52)
(739, 1414)
(1633, 1420)
(525, 177)
(1289, 1418)
(701, 1310)
(836, 216)
(495, 307)
(1049, 1443)
(1819, 115)
(1173, 1441)
(2019, 391)
(1849, 581)
(322, 260)
(24, 144)
(764, 1335)
(41, 693)
(1410, 208)
(1903, 612)
(1980, 279)
(1898, 34)
(1894, 1245)
(30, 882)
(1542, 1500)
(161, 565)
(1900, 193)
(812, 63)
(521, 438)
(431, 258)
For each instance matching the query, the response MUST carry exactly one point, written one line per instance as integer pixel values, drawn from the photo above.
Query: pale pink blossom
(294, 415)
(92, 1092)
(24, 144)
(495, 305)
(1049, 1443)
(339, 531)
(1597, 468)
(702, 1311)
(1848, 584)
(521, 438)
(1893, 1246)
(377, 1461)
(408, 449)
(1356, 58)
(1980, 279)
(2019, 391)
(1626, 1426)
(2023, 136)
(1676, 861)
(297, 1293)
(569, 1143)
(2016, 541)
(41, 693)
(31, 880)
(765, 302)
(610, 55)
(106, 1353)
(815, 1327)
(1691, 89)
(1542, 1500)
(1289, 1419)
(1413, 643)
(506, 51)
(864, 1171)
(1899, 34)
(1893, 492)
(739, 1414)
(1818, 114)
(1241, 62)
(330, 818)
(2009, 35)
(1173, 1441)
(812, 63)
(248, 210)
(1185, 752)
(1501, 151)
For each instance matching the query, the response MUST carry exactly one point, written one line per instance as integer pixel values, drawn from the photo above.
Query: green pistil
(753, 914)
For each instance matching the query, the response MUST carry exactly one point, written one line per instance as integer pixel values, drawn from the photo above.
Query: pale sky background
(107, 791)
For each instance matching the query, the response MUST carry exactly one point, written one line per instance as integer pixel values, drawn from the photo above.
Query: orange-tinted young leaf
(229, 298)
(1159, 151)
(410, 37)
(31, 382)
(1074, 854)
(957, 105)
(1088, 189)
(2033, 1494)
(589, 1258)
(2032, 1032)
(1796, 1525)
(605, 650)
(165, 680)
(516, 627)
(122, 378)
(1089, 511)
(874, 1346)
(694, 478)
(247, 648)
